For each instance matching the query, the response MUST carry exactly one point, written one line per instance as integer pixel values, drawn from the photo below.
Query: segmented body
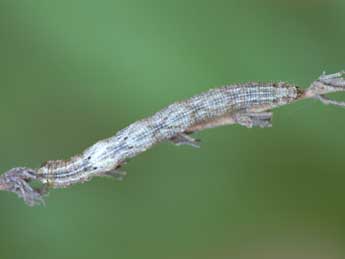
(199, 112)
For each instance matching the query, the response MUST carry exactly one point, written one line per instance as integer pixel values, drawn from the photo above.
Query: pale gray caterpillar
(247, 104)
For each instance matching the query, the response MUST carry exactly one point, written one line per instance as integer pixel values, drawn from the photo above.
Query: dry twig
(248, 104)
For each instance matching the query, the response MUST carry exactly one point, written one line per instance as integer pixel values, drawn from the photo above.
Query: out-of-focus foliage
(74, 72)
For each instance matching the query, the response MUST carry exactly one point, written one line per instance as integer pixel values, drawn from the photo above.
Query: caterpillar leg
(185, 139)
(117, 174)
(254, 119)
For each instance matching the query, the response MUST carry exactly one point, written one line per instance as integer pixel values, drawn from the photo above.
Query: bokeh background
(74, 72)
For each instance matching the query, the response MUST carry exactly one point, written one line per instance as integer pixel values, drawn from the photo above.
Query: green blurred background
(74, 72)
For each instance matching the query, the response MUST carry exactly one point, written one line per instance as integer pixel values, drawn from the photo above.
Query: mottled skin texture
(226, 105)
(248, 104)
